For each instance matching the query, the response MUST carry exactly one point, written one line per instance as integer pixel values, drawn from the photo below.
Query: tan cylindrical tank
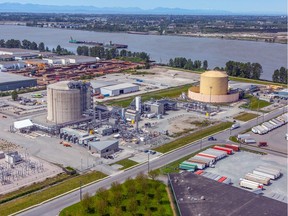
(63, 103)
(214, 83)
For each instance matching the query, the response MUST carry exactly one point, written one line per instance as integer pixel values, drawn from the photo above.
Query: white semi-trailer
(265, 174)
(257, 178)
(250, 184)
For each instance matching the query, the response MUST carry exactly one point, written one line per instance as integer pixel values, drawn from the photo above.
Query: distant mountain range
(36, 8)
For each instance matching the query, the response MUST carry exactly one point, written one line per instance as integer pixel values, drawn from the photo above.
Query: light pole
(210, 102)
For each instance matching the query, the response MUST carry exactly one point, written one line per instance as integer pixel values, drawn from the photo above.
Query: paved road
(55, 206)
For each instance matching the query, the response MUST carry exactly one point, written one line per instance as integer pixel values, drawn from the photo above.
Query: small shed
(104, 148)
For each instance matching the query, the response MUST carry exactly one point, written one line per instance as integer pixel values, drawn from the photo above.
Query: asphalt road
(55, 206)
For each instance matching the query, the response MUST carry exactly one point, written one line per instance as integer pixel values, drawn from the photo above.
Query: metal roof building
(118, 89)
(197, 195)
(104, 148)
(12, 81)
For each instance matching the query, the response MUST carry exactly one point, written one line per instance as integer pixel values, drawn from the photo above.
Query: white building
(118, 89)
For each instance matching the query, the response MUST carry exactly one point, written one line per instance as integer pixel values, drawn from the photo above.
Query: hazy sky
(228, 5)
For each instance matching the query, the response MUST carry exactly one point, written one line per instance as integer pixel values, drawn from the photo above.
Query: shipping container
(211, 159)
(189, 164)
(228, 150)
(199, 172)
(227, 181)
(242, 136)
(270, 168)
(197, 161)
(199, 166)
(264, 174)
(207, 155)
(186, 167)
(232, 146)
(218, 153)
(257, 178)
(250, 184)
(250, 141)
(276, 173)
(223, 178)
(206, 160)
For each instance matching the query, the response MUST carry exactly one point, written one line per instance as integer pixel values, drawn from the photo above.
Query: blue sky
(279, 6)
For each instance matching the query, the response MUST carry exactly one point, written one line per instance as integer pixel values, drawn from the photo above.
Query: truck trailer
(261, 173)
(257, 178)
(250, 184)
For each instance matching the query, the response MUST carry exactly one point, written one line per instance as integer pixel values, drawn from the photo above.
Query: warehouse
(12, 81)
(104, 148)
(197, 195)
(98, 84)
(119, 89)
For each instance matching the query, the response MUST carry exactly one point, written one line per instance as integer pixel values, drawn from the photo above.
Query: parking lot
(240, 163)
(275, 139)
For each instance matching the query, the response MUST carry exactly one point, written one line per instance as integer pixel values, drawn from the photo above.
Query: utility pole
(210, 102)
(148, 161)
(80, 190)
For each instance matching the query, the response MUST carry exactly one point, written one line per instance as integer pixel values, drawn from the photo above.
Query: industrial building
(68, 100)
(12, 82)
(198, 195)
(119, 89)
(76, 136)
(104, 148)
(11, 65)
(98, 84)
(69, 59)
(213, 89)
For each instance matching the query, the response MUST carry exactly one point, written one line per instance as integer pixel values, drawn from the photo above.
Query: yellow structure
(214, 83)
(213, 89)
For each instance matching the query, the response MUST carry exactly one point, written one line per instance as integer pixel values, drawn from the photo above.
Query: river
(161, 48)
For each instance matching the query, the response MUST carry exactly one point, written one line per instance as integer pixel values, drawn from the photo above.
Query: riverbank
(281, 37)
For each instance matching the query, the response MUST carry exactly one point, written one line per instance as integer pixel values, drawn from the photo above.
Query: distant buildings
(12, 82)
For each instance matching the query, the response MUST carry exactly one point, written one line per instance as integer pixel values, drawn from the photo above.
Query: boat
(94, 43)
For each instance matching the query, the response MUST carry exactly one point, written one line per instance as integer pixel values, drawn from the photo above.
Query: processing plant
(213, 89)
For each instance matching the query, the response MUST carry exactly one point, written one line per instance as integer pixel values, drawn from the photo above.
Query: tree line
(280, 75)
(107, 54)
(24, 44)
(244, 70)
(188, 64)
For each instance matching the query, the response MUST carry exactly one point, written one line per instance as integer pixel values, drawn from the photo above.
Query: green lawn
(193, 137)
(170, 92)
(140, 197)
(245, 116)
(261, 82)
(254, 103)
(126, 163)
(48, 193)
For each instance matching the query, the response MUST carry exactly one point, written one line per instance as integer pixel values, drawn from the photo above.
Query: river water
(161, 48)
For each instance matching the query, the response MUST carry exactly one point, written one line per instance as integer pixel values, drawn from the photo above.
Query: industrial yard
(71, 125)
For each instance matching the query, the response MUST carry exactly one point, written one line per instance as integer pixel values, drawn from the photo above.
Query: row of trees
(134, 196)
(244, 70)
(61, 51)
(102, 53)
(24, 44)
(181, 62)
(280, 75)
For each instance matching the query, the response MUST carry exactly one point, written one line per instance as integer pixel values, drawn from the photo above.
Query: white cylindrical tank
(63, 103)
(214, 83)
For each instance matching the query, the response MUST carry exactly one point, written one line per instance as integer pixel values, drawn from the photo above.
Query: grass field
(261, 82)
(126, 163)
(133, 197)
(193, 137)
(170, 92)
(48, 193)
(245, 116)
(254, 103)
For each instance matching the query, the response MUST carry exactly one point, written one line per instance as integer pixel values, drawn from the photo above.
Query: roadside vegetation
(140, 196)
(245, 116)
(193, 137)
(126, 163)
(170, 92)
(31, 199)
(254, 103)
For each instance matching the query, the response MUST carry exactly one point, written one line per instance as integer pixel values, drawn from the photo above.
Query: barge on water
(109, 45)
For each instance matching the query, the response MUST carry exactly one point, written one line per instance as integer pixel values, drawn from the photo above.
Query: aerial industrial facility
(12, 81)
(213, 89)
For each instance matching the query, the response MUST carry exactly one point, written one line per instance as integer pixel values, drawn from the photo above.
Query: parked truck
(234, 126)
(262, 173)
(249, 141)
(276, 173)
(250, 184)
(257, 178)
